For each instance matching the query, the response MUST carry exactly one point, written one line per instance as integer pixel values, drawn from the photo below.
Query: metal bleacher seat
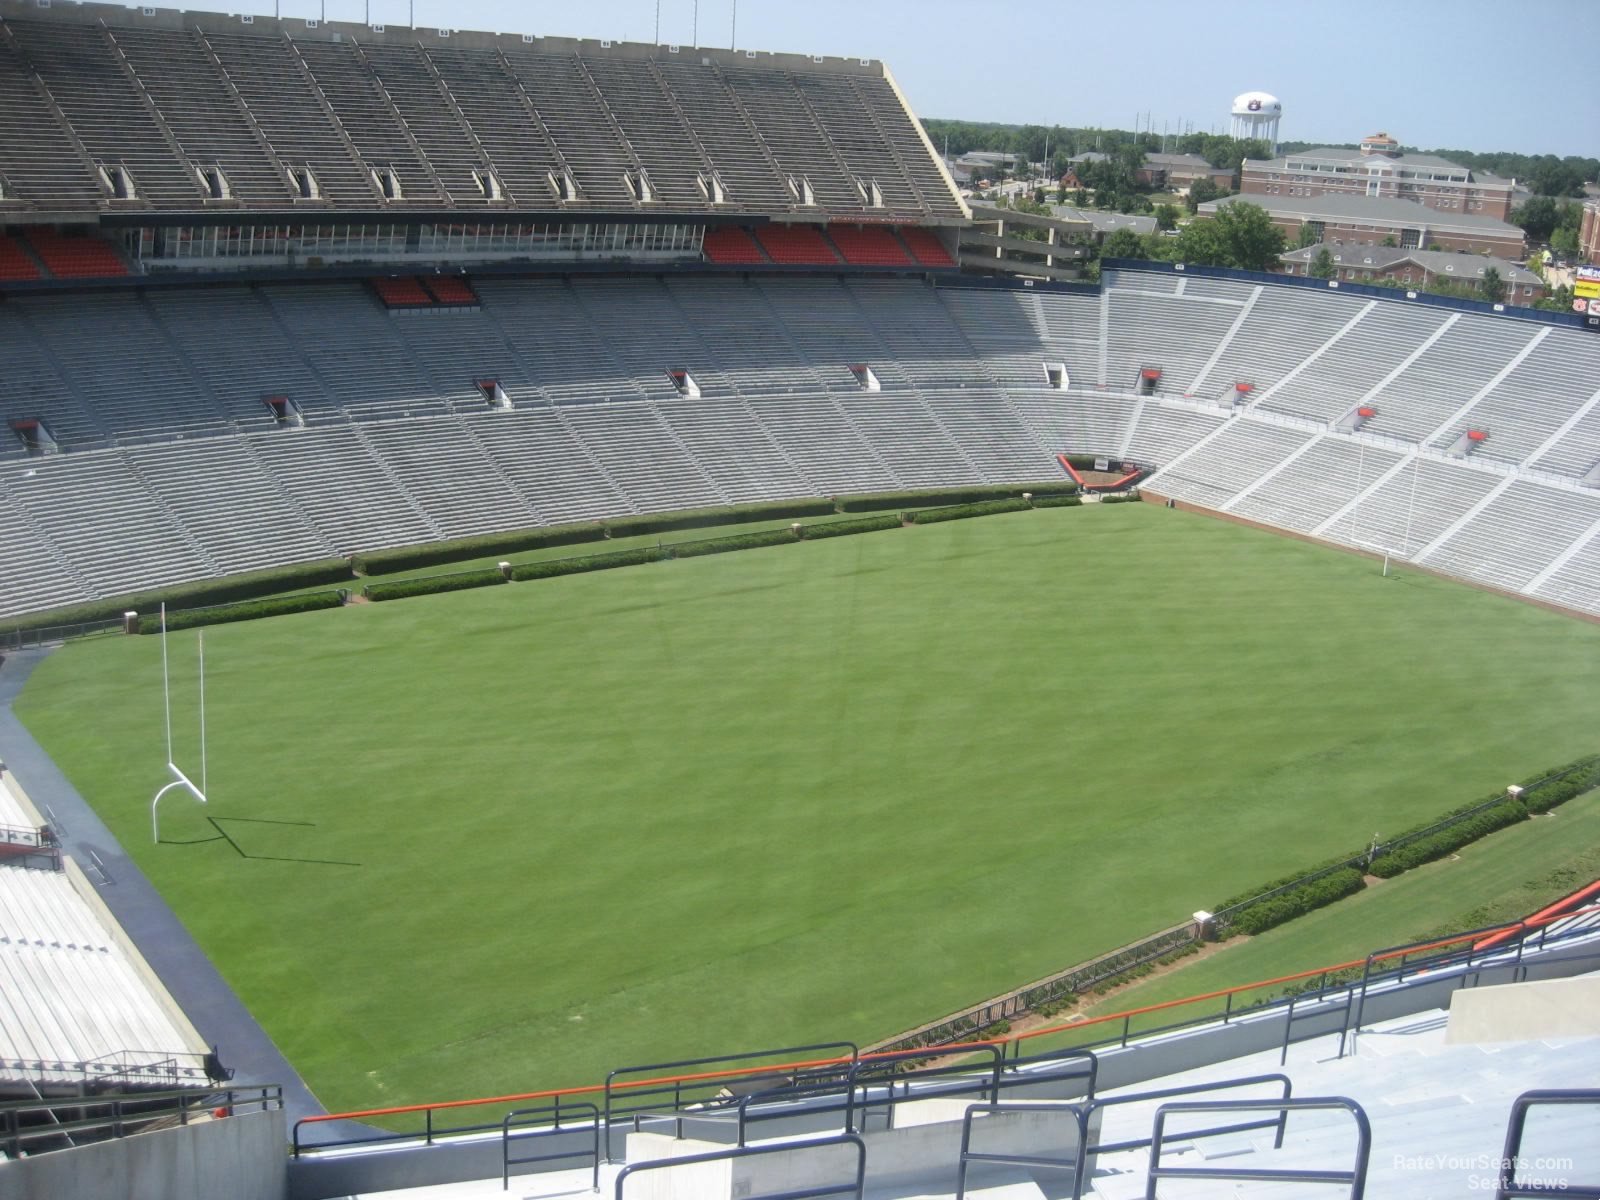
(1334, 380)
(791, 134)
(1215, 472)
(369, 120)
(270, 80)
(430, 117)
(1533, 402)
(196, 103)
(108, 112)
(549, 467)
(45, 164)
(1440, 380)
(637, 450)
(1282, 329)
(1316, 484)
(1414, 506)
(1518, 535)
(741, 157)
(561, 91)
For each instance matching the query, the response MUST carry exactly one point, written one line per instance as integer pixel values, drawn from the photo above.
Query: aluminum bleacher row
(106, 108)
(174, 469)
(76, 1005)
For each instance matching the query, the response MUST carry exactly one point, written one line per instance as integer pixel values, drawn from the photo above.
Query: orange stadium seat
(731, 245)
(869, 246)
(926, 247)
(76, 256)
(14, 261)
(800, 245)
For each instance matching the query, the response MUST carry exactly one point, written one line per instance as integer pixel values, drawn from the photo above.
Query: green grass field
(1501, 878)
(512, 838)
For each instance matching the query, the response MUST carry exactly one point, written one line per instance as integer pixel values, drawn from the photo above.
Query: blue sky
(1466, 74)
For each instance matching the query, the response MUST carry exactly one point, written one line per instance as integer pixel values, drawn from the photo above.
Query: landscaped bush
(245, 610)
(877, 501)
(737, 541)
(1057, 501)
(408, 558)
(1423, 850)
(960, 512)
(845, 528)
(590, 562)
(429, 584)
(732, 514)
(1298, 901)
(1583, 776)
(193, 595)
(1120, 498)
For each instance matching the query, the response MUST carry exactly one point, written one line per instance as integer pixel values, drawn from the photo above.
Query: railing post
(427, 1114)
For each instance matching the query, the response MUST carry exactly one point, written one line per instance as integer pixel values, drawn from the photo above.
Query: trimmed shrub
(960, 512)
(732, 514)
(589, 562)
(427, 585)
(1298, 901)
(245, 610)
(1057, 501)
(844, 528)
(1424, 850)
(1130, 497)
(203, 592)
(408, 558)
(1581, 776)
(877, 501)
(737, 541)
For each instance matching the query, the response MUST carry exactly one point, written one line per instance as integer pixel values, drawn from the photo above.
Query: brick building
(1589, 233)
(1179, 171)
(1380, 170)
(1363, 264)
(1358, 220)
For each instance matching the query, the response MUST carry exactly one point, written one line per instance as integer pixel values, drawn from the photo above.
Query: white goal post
(179, 778)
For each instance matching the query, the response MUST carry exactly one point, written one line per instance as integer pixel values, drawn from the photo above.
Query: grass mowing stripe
(790, 794)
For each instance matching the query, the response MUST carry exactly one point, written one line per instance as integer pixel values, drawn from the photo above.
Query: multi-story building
(1380, 170)
(1364, 221)
(1363, 264)
(1589, 233)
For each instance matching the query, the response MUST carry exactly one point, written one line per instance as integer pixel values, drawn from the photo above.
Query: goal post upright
(179, 778)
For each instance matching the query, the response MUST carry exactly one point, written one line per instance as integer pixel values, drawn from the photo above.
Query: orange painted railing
(1565, 906)
(1479, 938)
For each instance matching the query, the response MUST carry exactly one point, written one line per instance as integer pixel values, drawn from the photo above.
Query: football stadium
(556, 636)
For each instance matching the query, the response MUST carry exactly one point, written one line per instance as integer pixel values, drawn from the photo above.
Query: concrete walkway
(172, 953)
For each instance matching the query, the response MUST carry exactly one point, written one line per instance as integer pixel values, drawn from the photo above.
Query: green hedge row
(1120, 498)
(960, 512)
(737, 541)
(1298, 901)
(732, 514)
(194, 595)
(1584, 777)
(427, 585)
(845, 528)
(244, 610)
(877, 501)
(589, 562)
(1057, 501)
(1446, 841)
(407, 558)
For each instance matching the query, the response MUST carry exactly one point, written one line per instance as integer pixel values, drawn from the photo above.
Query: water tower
(1256, 115)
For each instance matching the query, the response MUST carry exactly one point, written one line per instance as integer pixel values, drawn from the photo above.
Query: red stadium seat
(76, 256)
(800, 245)
(927, 248)
(869, 246)
(14, 261)
(406, 292)
(451, 290)
(733, 246)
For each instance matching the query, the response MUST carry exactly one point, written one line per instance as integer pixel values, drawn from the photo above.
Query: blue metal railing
(1355, 1178)
(855, 1188)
